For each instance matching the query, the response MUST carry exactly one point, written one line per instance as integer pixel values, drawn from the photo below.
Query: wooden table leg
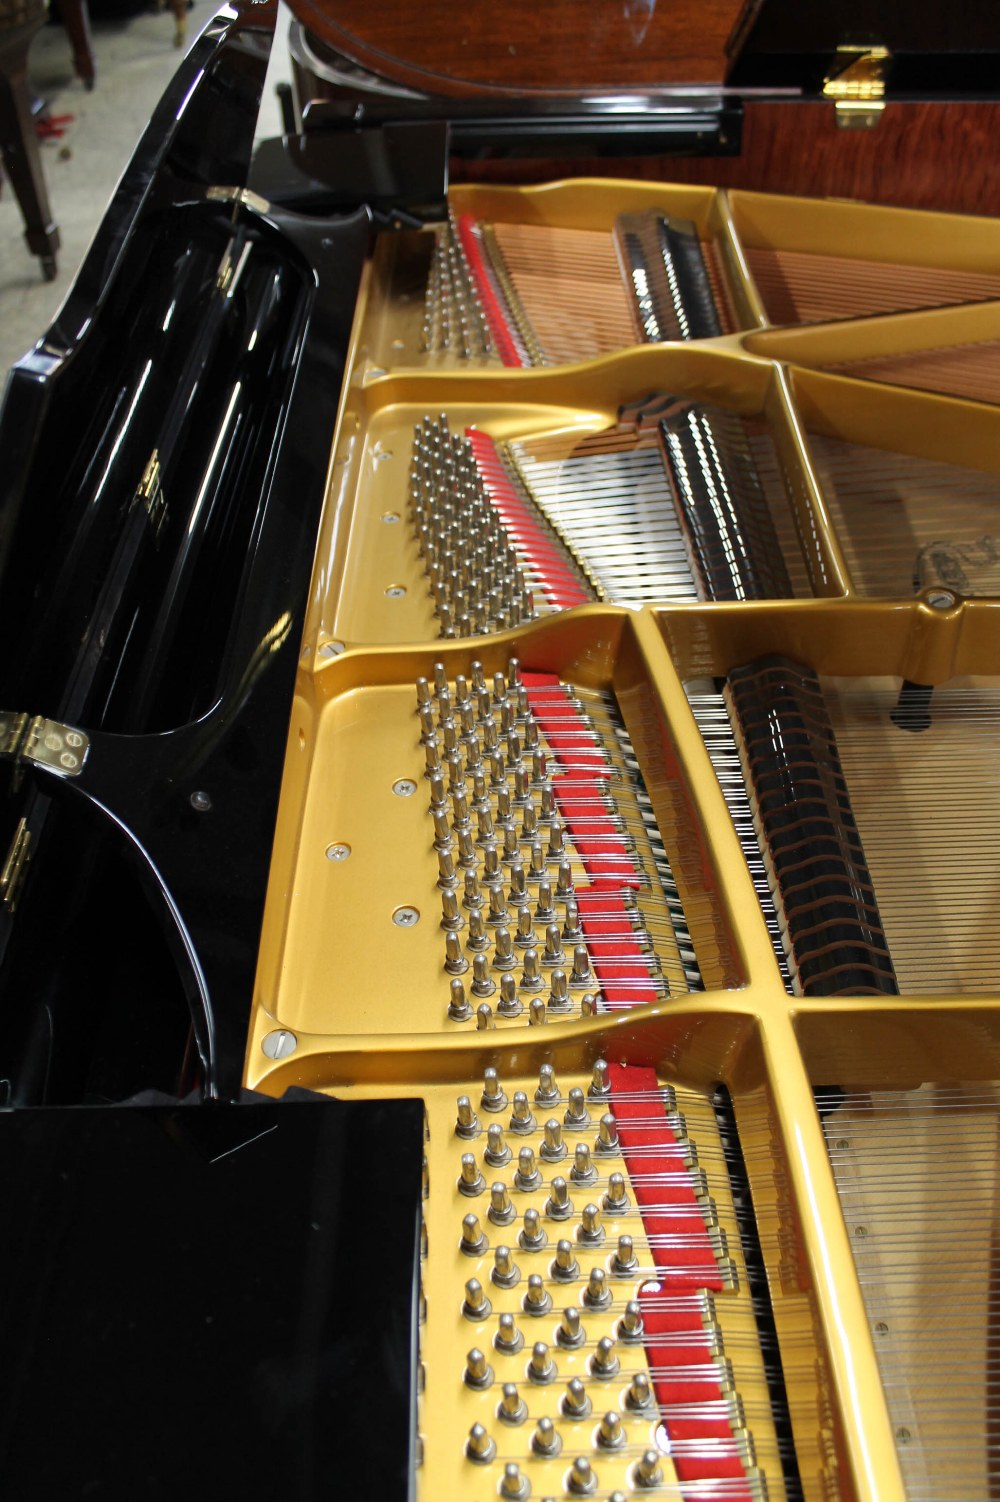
(19, 145)
(76, 20)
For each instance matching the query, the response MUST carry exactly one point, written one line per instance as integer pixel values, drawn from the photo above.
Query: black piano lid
(180, 1313)
(209, 331)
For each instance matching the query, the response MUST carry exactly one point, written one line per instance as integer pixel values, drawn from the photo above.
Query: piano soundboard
(640, 818)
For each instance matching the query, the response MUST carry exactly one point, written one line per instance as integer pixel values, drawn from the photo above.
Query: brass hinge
(150, 494)
(14, 866)
(44, 743)
(856, 84)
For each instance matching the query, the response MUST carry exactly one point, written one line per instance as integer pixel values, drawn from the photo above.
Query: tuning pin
(473, 1242)
(581, 1480)
(501, 1211)
(553, 1148)
(529, 822)
(504, 814)
(547, 1092)
(526, 1176)
(478, 1372)
(459, 1009)
(541, 1367)
(491, 870)
(498, 914)
(493, 1097)
(624, 1259)
(588, 1004)
(546, 1441)
(544, 911)
(518, 885)
(455, 962)
(564, 881)
(473, 894)
(511, 848)
(630, 1326)
(479, 1447)
(499, 689)
(497, 1152)
(575, 1403)
(571, 1332)
(483, 983)
(583, 1170)
(559, 999)
(536, 1299)
(600, 1085)
(616, 1200)
(572, 933)
(536, 863)
(477, 941)
(423, 692)
(610, 1434)
(522, 1118)
(478, 680)
(513, 1486)
(531, 975)
(440, 681)
(467, 1124)
(559, 1206)
(524, 938)
(640, 1393)
(581, 973)
(512, 1408)
(647, 1472)
(471, 1181)
(447, 876)
(532, 1236)
(597, 1294)
(508, 1339)
(552, 954)
(590, 1229)
(607, 1135)
(604, 1362)
(539, 767)
(438, 799)
(577, 1114)
(565, 1268)
(509, 1004)
(505, 1273)
(484, 1017)
(536, 1012)
(504, 957)
(476, 1306)
(451, 919)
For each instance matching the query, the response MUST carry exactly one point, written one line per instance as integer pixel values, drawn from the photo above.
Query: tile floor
(135, 60)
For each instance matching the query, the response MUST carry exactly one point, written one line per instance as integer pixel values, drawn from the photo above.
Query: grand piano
(499, 958)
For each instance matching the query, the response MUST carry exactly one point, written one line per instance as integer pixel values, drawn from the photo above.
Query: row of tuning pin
(581, 1479)
(453, 314)
(497, 881)
(547, 1094)
(474, 570)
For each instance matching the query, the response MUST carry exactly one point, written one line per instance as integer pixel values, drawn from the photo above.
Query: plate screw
(405, 917)
(280, 1044)
(201, 802)
(332, 649)
(337, 852)
(404, 788)
(395, 592)
(389, 517)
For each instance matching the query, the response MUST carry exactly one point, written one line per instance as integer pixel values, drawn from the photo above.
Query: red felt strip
(618, 960)
(683, 1375)
(496, 316)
